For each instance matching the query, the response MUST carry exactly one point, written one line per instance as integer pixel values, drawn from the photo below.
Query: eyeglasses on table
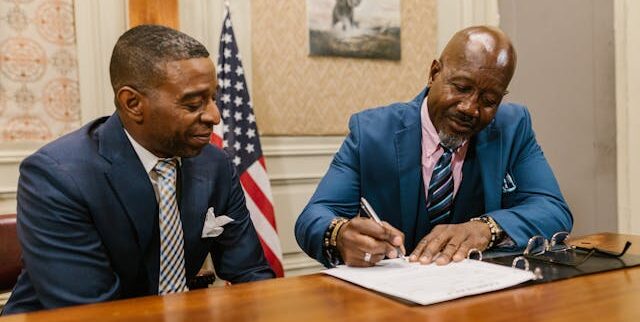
(556, 250)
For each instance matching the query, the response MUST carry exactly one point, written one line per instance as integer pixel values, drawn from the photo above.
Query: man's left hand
(451, 242)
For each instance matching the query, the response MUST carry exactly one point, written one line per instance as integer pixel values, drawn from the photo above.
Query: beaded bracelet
(492, 228)
(331, 240)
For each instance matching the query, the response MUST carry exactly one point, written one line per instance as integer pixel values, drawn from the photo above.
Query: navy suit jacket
(380, 160)
(88, 221)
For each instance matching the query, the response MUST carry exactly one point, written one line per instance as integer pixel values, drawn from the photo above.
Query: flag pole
(226, 8)
(240, 139)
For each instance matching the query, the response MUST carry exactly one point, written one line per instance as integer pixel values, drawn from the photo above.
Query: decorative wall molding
(300, 145)
(454, 15)
(298, 152)
(295, 166)
(300, 264)
(14, 156)
(7, 194)
(9, 163)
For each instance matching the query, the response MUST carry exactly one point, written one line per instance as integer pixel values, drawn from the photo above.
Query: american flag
(238, 135)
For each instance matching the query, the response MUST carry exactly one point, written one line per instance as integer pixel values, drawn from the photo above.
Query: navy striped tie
(440, 195)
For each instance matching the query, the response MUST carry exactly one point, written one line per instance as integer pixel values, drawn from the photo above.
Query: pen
(369, 212)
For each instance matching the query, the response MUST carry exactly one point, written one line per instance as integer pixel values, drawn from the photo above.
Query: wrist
(330, 242)
(495, 231)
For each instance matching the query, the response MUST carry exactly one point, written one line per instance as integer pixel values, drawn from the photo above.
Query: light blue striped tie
(440, 195)
(172, 273)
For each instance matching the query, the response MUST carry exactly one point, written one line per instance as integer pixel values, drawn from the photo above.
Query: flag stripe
(216, 140)
(273, 260)
(264, 228)
(257, 176)
(261, 201)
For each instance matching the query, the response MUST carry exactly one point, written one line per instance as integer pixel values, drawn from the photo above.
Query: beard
(451, 141)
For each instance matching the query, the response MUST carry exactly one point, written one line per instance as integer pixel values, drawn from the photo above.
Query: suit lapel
(129, 180)
(194, 201)
(490, 162)
(468, 201)
(408, 150)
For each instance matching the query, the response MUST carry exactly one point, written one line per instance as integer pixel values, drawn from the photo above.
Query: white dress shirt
(149, 161)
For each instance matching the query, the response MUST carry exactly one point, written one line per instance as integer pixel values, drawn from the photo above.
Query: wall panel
(295, 94)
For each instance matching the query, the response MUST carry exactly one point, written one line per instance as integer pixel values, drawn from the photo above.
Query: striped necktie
(172, 273)
(440, 195)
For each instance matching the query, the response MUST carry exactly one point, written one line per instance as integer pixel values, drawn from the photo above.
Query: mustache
(463, 119)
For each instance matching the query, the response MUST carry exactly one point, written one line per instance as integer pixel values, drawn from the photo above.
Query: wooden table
(610, 296)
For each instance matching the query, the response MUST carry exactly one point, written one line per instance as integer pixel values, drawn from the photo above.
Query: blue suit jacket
(88, 221)
(380, 160)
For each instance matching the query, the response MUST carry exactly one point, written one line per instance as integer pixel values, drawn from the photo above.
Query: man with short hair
(130, 205)
(451, 171)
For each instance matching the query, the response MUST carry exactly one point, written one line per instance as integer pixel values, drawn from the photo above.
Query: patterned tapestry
(39, 93)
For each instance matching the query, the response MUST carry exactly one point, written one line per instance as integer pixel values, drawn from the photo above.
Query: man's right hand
(362, 235)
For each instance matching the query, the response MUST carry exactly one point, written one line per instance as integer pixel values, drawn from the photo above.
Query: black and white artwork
(354, 28)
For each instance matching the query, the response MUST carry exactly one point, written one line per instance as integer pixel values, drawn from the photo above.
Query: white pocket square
(213, 225)
(508, 184)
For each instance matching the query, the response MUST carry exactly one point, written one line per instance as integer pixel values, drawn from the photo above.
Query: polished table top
(609, 296)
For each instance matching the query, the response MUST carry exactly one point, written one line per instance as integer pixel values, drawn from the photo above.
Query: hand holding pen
(369, 212)
(364, 242)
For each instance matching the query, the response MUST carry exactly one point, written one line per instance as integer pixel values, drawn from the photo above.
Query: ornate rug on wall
(39, 93)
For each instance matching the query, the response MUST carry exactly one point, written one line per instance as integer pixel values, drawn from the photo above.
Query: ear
(435, 69)
(131, 103)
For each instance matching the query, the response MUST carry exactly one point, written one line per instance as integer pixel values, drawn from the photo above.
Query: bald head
(467, 83)
(484, 46)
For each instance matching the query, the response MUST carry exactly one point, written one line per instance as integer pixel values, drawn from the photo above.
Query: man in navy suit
(100, 219)
(451, 171)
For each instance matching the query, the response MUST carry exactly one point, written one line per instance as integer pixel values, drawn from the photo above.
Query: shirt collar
(429, 132)
(148, 159)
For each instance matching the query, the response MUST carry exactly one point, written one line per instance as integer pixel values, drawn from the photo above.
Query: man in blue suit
(448, 172)
(130, 205)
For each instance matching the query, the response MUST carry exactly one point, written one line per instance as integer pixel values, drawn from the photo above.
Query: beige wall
(565, 75)
(295, 94)
(627, 44)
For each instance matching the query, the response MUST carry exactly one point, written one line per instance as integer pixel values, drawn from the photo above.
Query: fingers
(362, 262)
(451, 242)
(355, 240)
(429, 246)
(378, 231)
(451, 248)
(462, 252)
(361, 236)
(395, 238)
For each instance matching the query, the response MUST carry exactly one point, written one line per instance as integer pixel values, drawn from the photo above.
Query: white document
(428, 284)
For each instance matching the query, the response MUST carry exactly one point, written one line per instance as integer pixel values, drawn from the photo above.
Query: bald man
(450, 171)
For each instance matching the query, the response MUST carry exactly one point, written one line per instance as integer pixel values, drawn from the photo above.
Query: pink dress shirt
(431, 153)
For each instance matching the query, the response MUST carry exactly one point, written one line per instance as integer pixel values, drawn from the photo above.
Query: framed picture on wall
(354, 28)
